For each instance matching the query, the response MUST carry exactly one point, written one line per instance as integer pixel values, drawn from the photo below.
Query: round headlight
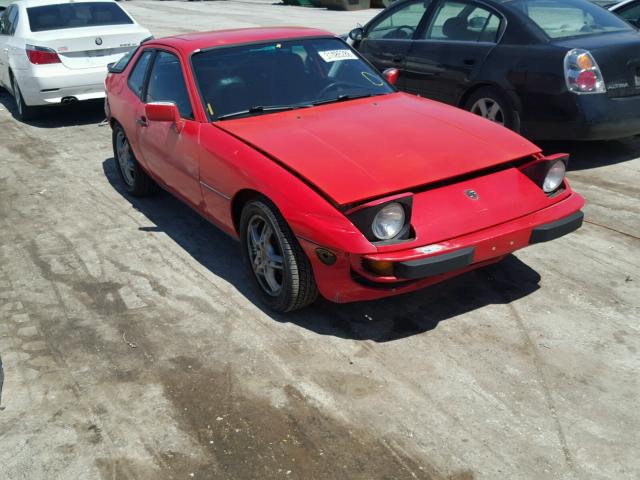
(554, 177)
(388, 221)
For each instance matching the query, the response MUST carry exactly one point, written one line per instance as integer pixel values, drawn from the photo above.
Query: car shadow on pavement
(79, 113)
(587, 155)
(380, 320)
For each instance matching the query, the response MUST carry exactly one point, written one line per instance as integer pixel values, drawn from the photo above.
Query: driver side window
(401, 24)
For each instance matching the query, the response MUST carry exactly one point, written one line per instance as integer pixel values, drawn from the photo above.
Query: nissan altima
(550, 69)
(333, 181)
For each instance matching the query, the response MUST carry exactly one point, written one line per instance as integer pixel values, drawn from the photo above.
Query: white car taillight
(582, 72)
(42, 55)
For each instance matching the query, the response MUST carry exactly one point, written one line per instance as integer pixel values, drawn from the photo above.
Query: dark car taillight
(42, 55)
(582, 73)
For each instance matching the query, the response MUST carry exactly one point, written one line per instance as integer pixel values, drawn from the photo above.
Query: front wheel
(279, 267)
(491, 104)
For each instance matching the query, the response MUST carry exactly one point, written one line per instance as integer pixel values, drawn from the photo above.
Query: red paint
(313, 162)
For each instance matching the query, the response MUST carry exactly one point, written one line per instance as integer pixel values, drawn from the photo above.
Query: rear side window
(136, 79)
(166, 84)
(76, 15)
(568, 18)
(121, 64)
(463, 22)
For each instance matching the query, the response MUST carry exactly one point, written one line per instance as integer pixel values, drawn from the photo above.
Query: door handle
(469, 61)
(397, 59)
(142, 121)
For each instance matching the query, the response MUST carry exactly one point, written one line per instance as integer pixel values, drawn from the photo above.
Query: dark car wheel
(23, 111)
(491, 104)
(280, 269)
(136, 181)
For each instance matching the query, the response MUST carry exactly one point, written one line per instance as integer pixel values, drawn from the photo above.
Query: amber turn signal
(383, 268)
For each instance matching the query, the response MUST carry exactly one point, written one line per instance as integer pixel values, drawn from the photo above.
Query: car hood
(367, 148)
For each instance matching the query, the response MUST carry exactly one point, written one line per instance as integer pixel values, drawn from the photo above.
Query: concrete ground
(134, 349)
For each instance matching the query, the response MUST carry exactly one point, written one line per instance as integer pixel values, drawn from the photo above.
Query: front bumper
(449, 262)
(347, 280)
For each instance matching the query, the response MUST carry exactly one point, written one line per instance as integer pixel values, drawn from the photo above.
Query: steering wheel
(334, 85)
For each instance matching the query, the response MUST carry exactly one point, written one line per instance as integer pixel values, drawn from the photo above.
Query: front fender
(230, 166)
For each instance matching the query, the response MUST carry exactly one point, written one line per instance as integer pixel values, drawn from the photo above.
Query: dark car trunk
(618, 56)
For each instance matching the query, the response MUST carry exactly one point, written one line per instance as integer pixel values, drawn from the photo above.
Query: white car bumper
(50, 84)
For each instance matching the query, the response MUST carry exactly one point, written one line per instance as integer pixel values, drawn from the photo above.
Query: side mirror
(357, 34)
(391, 75)
(164, 112)
(110, 68)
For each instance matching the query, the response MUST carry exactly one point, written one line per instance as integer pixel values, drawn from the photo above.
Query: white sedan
(57, 51)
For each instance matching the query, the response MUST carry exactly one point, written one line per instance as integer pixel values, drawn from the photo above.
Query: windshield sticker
(337, 55)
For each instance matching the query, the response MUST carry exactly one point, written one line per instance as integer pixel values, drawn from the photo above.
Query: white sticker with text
(337, 55)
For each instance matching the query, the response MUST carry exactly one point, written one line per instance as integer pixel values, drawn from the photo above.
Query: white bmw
(57, 51)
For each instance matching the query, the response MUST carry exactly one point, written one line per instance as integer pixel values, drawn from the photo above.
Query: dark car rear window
(76, 15)
(568, 18)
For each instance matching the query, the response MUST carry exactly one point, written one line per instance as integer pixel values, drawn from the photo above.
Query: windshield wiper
(345, 96)
(261, 109)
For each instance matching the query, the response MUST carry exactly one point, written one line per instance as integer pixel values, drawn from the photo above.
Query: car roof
(190, 42)
(42, 3)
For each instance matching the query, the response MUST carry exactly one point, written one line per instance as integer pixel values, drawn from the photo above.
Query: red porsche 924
(333, 181)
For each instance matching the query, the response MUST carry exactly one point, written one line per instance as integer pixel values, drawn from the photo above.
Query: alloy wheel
(489, 109)
(265, 255)
(125, 158)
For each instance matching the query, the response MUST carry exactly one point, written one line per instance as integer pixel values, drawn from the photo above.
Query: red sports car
(332, 180)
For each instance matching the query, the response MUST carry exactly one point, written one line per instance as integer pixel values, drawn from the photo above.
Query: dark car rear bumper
(587, 117)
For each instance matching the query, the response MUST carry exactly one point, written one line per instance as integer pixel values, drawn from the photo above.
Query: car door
(451, 48)
(130, 102)
(387, 40)
(171, 153)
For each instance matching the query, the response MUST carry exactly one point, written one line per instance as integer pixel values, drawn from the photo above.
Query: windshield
(258, 79)
(76, 15)
(568, 18)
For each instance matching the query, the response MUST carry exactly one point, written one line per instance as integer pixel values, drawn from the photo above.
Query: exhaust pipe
(68, 100)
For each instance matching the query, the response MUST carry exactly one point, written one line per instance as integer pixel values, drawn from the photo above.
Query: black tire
(135, 179)
(23, 111)
(297, 283)
(492, 96)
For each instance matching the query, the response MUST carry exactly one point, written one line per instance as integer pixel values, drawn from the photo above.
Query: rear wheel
(279, 267)
(491, 104)
(136, 181)
(23, 111)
